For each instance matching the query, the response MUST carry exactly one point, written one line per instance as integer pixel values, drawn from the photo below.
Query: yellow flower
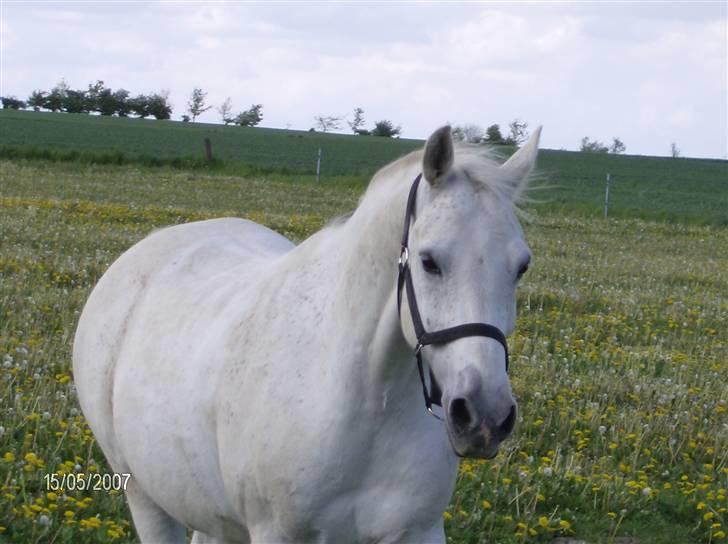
(708, 516)
(486, 505)
(543, 521)
(91, 523)
(447, 516)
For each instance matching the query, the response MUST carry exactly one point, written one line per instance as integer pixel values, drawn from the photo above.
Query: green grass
(618, 362)
(687, 190)
(660, 188)
(146, 140)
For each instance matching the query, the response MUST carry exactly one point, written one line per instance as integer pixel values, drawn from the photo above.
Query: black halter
(443, 336)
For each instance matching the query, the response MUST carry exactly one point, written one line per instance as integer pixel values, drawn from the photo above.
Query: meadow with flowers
(619, 362)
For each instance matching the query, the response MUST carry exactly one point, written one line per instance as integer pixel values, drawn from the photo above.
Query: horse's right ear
(438, 155)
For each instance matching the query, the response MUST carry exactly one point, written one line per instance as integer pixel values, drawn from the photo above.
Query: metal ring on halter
(433, 414)
(403, 257)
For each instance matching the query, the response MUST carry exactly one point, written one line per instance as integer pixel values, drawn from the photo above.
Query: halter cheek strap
(443, 336)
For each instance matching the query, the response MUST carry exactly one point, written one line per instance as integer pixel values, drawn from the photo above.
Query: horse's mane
(480, 163)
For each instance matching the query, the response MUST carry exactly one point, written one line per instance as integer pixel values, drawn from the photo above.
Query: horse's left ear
(521, 163)
(438, 156)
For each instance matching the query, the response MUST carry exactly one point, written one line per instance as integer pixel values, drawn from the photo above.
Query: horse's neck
(365, 301)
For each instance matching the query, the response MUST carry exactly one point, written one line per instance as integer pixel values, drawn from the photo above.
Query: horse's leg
(153, 525)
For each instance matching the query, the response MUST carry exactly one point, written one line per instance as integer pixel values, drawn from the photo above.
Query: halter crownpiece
(443, 336)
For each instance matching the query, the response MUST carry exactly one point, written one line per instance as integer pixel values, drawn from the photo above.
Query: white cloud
(580, 69)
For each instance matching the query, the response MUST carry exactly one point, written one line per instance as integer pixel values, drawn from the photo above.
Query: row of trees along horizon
(103, 100)
(99, 98)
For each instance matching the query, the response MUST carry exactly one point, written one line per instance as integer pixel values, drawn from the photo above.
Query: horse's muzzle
(474, 436)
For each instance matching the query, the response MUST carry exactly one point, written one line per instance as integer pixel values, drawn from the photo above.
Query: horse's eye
(429, 264)
(522, 270)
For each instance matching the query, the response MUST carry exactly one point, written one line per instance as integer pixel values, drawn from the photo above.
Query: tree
(139, 105)
(493, 135)
(358, 122)
(517, 133)
(107, 102)
(225, 110)
(37, 100)
(158, 105)
(617, 146)
(326, 123)
(54, 101)
(251, 117)
(12, 103)
(587, 146)
(674, 151)
(122, 107)
(75, 102)
(386, 129)
(196, 106)
(468, 133)
(93, 97)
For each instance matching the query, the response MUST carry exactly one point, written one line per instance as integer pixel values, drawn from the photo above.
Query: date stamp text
(81, 481)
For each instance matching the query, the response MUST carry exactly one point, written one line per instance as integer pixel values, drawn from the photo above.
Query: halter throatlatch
(443, 336)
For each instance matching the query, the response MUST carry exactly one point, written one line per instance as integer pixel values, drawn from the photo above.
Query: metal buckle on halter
(403, 257)
(433, 414)
(418, 348)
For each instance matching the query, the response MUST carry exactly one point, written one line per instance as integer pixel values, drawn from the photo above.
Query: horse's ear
(521, 163)
(438, 155)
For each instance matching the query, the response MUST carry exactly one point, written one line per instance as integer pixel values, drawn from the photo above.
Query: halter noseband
(443, 336)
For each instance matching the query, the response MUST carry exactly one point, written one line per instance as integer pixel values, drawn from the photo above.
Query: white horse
(261, 392)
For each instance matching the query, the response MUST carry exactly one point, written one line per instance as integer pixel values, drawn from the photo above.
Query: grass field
(618, 362)
(691, 190)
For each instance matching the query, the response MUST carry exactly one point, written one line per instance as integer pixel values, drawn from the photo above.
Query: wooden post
(606, 196)
(208, 150)
(318, 165)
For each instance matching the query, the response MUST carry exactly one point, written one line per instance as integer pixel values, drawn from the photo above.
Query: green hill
(694, 190)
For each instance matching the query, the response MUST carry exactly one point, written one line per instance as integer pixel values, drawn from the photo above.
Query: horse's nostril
(460, 415)
(505, 428)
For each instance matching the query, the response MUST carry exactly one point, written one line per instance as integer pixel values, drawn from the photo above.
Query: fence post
(208, 149)
(318, 165)
(606, 196)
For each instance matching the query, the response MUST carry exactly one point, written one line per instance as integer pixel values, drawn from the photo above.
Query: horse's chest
(342, 483)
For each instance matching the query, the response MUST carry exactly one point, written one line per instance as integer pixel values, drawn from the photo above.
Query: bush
(12, 103)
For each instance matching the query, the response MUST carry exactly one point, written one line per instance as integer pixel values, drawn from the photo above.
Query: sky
(649, 73)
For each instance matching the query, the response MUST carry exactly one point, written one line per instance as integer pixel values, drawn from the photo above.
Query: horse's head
(466, 255)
